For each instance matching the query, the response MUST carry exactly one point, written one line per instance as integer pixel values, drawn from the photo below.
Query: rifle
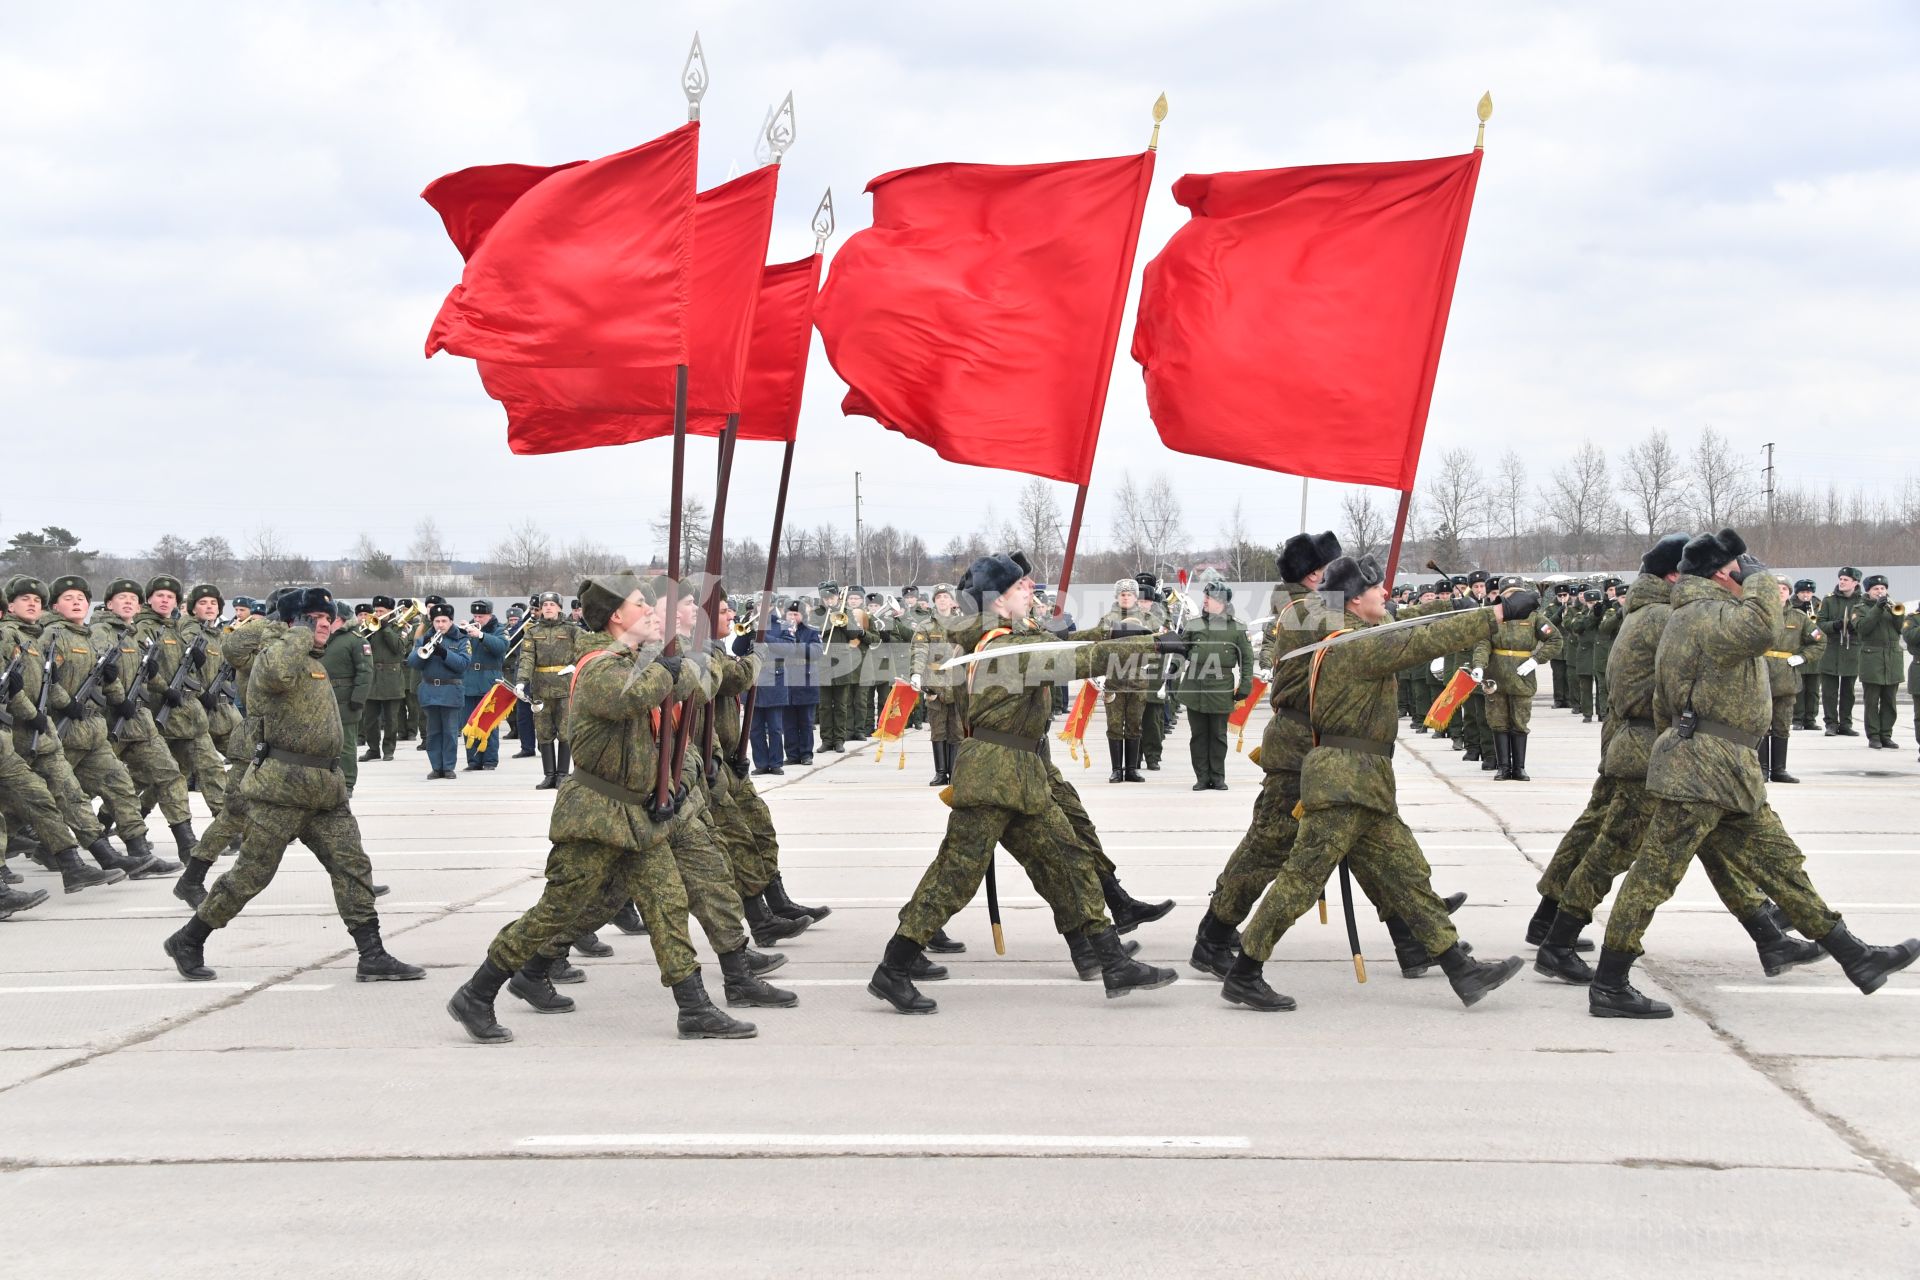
(46, 690)
(129, 707)
(6, 680)
(184, 681)
(88, 695)
(222, 683)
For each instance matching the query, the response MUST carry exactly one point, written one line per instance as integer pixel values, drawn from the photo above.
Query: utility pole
(1768, 446)
(858, 540)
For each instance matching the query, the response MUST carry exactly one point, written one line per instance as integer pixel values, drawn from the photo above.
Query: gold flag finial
(1159, 114)
(1484, 111)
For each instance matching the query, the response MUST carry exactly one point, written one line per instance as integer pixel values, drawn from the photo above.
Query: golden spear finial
(1484, 110)
(1159, 114)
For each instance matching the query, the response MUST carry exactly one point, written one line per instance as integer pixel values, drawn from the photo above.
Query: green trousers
(1880, 710)
(578, 875)
(334, 837)
(100, 773)
(156, 777)
(1044, 845)
(1207, 745)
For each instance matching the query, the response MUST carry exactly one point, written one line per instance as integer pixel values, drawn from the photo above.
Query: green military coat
(1839, 618)
(348, 659)
(1217, 671)
(1880, 647)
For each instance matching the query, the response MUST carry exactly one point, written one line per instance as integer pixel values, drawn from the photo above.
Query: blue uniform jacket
(448, 665)
(489, 654)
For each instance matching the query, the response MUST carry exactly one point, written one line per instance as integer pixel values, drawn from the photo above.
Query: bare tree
(695, 526)
(213, 558)
(1655, 482)
(173, 554)
(1723, 486)
(1363, 529)
(583, 558)
(1037, 528)
(1160, 513)
(429, 557)
(524, 558)
(264, 555)
(1130, 540)
(1236, 542)
(1580, 499)
(1509, 504)
(1457, 496)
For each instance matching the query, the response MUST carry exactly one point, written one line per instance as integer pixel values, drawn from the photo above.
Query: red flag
(777, 359)
(1451, 698)
(1294, 323)
(588, 266)
(978, 314)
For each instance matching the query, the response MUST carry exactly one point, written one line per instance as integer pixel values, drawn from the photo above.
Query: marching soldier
(1880, 651)
(383, 721)
(171, 694)
(943, 693)
(348, 662)
(1507, 662)
(136, 739)
(1710, 687)
(546, 661)
(241, 646)
(295, 792)
(23, 794)
(1124, 696)
(1799, 646)
(1839, 619)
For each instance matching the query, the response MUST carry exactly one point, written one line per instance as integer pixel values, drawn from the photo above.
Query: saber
(1044, 646)
(1353, 930)
(1358, 632)
(993, 910)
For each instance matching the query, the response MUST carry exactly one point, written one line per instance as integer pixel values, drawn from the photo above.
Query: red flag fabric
(1451, 699)
(1294, 323)
(978, 314)
(777, 358)
(470, 201)
(587, 266)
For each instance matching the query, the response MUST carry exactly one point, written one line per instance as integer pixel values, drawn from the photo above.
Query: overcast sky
(216, 273)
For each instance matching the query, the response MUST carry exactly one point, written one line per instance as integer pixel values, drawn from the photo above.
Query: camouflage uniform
(47, 759)
(297, 792)
(1709, 793)
(1799, 637)
(942, 693)
(546, 653)
(186, 728)
(98, 771)
(240, 649)
(149, 763)
(1128, 677)
(25, 797)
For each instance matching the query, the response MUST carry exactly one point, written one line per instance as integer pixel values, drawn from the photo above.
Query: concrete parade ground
(285, 1120)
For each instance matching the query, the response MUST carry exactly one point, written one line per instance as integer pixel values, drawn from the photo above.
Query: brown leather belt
(311, 762)
(612, 791)
(1018, 743)
(1366, 746)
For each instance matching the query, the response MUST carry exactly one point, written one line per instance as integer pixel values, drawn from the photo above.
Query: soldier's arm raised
(1374, 657)
(283, 660)
(1748, 624)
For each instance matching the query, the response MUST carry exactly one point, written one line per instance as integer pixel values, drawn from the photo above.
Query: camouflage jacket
(1513, 644)
(290, 705)
(931, 647)
(546, 653)
(1301, 617)
(1627, 734)
(243, 647)
(1011, 696)
(611, 730)
(735, 676)
(1711, 662)
(109, 629)
(1352, 696)
(189, 719)
(222, 717)
(23, 639)
(74, 656)
(1910, 636)
(1130, 673)
(1799, 634)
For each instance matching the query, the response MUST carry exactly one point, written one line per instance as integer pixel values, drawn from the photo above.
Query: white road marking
(280, 906)
(1908, 992)
(890, 1141)
(164, 986)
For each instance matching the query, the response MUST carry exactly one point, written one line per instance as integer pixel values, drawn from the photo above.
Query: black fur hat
(440, 611)
(1709, 553)
(1348, 577)
(990, 575)
(297, 602)
(383, 602)
(1805, 584)
(1663, 557)
(1301, 554)
(69, 582)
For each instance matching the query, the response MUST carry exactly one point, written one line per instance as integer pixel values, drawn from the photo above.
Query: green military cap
(118, 585)
(164, 582)
(690, 587)
(607, 592)
(26, 584)
(71, 582)
(201, 591)
(943, 588)
(1870, 582)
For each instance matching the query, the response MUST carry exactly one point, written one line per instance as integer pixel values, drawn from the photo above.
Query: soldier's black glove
(173, 697)
(743, 644)
(16, 681)
(1171, 644)
(739, 764)
(1519, 604)
(672, 663)
(128, 708)
(1746, 564)
(110, 666)
(1058, 625)
(40, 723)
(210, 700)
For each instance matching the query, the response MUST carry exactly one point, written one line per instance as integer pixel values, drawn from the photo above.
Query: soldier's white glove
(915, 682)
(1796, 661)
(1479, 675)
(1527, 668)
(1437, 666)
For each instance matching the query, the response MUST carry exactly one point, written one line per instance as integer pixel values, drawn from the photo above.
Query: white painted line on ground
(891, 1141)
(1716, 905)
(1908, 992)
(282, 906)
(164, 986)
(976, 982)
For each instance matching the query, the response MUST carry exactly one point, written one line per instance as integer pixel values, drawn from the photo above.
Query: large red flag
(731, 225)
(586, 266)
(978, 314)
(1294, 323)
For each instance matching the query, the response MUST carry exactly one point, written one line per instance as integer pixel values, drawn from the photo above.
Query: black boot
(1778, 952)
(1517, 747)
(925, 970)
(111, 859)
(745, 990)
(941, 944)
(564, 971)
(627, 920)
(371, 754)
(1128, 912)
(760, 962)
(1453, 902)
(76, 875)
(375, 964)
(1867, 966)
(187, 947)
(768, 928)
(1245, 985)
(891, 981)
(1541, 921)
(535, 985)
(562, 759)
(939, 763)
(1085, 962)
(550, 769)
(781, 905)
(1408, 951)
(472, 1004)
(152, 865)
(1765, 751)
(700, 1020)
(12, 899)
(1213, 945)
(191, 887)
(1471, 753)
(1473, 979)
(589, 944)
(1133, 760)
(1557, 957)
(1120, 971)
(1502, 757)
(1613, 996)
(1117, 750)
(1778, 772)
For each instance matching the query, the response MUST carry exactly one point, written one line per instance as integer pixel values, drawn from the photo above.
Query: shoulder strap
(1313, 685)
(581, 665)
(985, 640)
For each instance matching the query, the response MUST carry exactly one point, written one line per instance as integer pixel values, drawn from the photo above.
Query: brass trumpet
(403, 617)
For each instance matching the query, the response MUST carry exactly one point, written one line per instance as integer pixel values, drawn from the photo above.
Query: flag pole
(1399, 533)
(710, 590)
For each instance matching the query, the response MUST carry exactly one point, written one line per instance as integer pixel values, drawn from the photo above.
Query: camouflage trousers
(746, 829)
(1125, 714)
(1754, 844)
(1595, 853)
(579, 874)
(100, 773)
(550, 721)
(207, 767)
(1783, 715)
(1510, 713)
(1580, 837)
(333, 836)
(1079, 821)
(946, 715)
(707, 887)
(1263, 851)
(1153, 731)
(1043, 844)
(24, 796)
(230, 822)
(1377, 846)
(157, 777)
(54, 770)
